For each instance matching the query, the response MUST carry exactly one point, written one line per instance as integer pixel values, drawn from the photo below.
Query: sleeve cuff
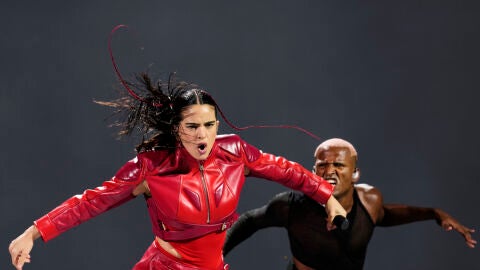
(324, 192)
(47, 229)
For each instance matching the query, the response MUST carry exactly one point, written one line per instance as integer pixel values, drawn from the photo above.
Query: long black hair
(158, 112)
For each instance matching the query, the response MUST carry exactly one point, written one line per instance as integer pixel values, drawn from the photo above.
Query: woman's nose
(201, 132)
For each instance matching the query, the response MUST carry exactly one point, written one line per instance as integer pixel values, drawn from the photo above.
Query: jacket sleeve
(287, 173)
(92, 202)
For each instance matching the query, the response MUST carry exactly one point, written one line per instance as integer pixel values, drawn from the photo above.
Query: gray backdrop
(399, 79)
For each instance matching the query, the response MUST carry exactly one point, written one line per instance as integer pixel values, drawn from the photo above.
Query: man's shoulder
(364, 187)
(296, 199)
(368, 194)
(283, 199)
(285, 195)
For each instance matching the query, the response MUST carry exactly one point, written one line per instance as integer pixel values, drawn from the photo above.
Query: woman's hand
(334, 208)
(21, 246)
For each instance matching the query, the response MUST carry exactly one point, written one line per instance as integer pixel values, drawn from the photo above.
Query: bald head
(336, 142)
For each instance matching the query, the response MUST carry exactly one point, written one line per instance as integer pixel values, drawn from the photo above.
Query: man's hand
(448, 223)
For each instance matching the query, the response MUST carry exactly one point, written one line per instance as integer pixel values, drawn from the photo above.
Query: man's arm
(274, 214)
(398, 214)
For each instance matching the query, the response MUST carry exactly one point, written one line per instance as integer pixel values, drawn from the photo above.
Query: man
(313, 242)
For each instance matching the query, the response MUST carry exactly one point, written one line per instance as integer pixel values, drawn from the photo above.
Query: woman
(191, 179)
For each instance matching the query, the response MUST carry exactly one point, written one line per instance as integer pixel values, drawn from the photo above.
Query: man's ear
(356, 175)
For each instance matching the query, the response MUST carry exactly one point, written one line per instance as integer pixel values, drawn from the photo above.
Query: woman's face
(198, 130)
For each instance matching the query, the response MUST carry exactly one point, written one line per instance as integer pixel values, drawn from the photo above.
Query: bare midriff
(167, 247)
(301, 266)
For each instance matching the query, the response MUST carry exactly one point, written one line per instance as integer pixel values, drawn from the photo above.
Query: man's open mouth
(332, 181)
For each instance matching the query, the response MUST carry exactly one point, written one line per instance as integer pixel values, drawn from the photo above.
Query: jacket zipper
(205, 191)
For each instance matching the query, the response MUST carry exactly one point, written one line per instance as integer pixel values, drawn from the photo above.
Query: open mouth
(202, 148)
(332, 181)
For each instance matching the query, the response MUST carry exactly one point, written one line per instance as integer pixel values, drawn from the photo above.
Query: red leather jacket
(189, 198)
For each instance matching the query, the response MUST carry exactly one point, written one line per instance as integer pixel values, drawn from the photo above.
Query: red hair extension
(115, 67)
(266, 126)
(137, 97)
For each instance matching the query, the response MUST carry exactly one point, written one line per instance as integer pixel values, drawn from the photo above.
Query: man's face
(198, 130)
(336, 165)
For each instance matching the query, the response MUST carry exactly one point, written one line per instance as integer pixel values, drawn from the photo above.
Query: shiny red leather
(92, 202)
(155, 258)
(206, 192)
(185, 190)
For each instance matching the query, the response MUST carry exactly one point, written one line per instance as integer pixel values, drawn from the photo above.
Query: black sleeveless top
(314, 246)
(305, 221)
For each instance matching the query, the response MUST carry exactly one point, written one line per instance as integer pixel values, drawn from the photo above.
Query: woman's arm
(78, 209)
(295, 176)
